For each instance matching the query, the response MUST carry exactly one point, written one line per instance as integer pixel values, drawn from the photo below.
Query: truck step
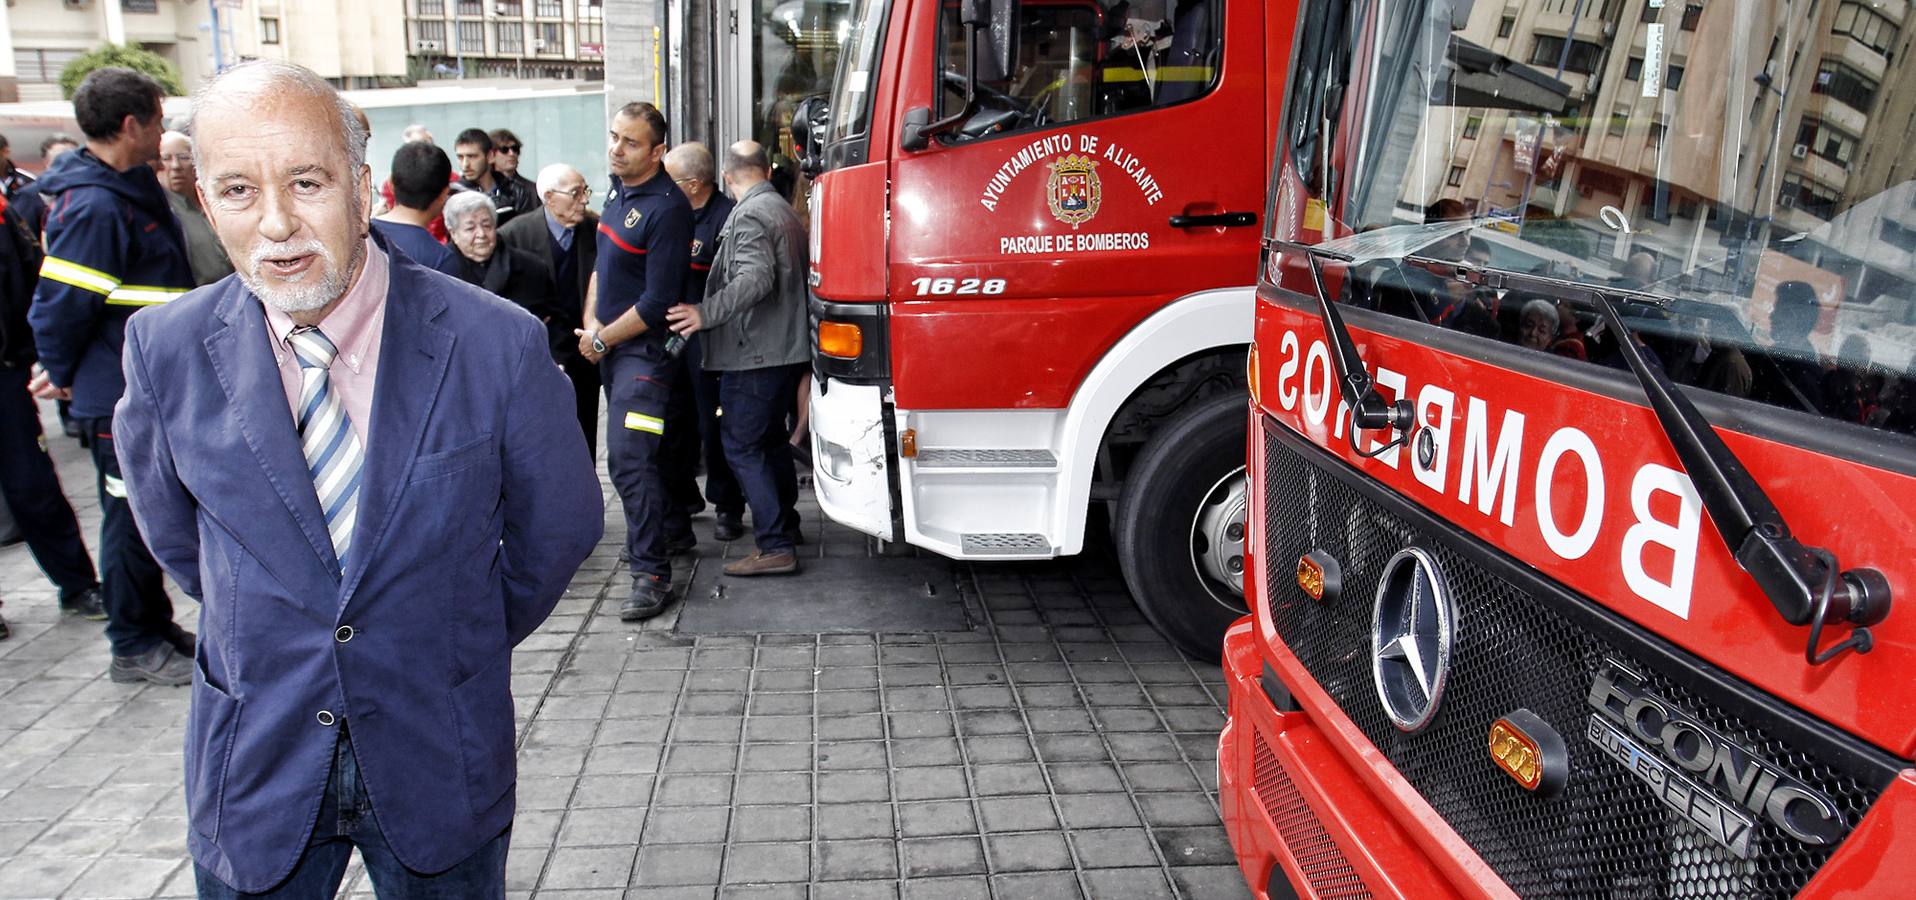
(984, 458)
(1006, 543)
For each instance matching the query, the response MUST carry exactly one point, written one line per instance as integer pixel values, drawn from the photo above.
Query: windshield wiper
(1369, 412)
(1805, 583)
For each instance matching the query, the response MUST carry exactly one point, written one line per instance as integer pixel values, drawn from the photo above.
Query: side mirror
(1002, 37)
(810, 119)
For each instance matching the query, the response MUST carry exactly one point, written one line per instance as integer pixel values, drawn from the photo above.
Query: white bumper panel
(849, 457)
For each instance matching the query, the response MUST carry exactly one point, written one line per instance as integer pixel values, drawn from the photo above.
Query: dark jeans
(346, 821)
(691, 433)
(757, 404)
(139, 615)
(721, 486)
(638, 385)
(32, 490)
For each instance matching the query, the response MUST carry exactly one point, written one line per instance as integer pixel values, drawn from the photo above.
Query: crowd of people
(358, 424)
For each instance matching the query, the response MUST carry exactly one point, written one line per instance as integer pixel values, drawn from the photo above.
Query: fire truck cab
(1034, 227)
(1583, 456)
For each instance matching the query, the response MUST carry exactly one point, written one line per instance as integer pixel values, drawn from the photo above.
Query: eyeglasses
(508, 148)
(580, 193)
(686, 180)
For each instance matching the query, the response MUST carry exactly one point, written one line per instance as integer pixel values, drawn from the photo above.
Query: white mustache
(264, 252)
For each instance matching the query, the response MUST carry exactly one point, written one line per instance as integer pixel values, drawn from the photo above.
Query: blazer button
(326, 718)
(344, 634)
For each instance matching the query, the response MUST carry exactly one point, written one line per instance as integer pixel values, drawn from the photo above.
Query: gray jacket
(754, 309)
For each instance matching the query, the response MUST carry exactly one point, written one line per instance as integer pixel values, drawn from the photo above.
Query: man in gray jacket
(754, 311)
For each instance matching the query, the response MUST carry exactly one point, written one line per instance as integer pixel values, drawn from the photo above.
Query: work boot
(650, 595)
(85, 604)
(762, 563)
(678, 545)
(728, 527)
(160, 665)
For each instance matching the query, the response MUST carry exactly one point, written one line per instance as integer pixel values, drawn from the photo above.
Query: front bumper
(1302, 821)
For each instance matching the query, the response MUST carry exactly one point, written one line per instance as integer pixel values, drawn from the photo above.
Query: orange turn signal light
(1530, 751)
(840, 340)
(1319, 576)
(1251, 373)
(908, 443)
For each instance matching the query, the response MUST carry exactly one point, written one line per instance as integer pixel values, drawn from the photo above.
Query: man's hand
(585, 345)
(41, 386)
(685, 318)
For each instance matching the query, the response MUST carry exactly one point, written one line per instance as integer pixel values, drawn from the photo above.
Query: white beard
(307, 291)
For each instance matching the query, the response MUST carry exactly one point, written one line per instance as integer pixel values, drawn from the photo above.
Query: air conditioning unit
(538, 43)
(1799, 151)
(425, 45)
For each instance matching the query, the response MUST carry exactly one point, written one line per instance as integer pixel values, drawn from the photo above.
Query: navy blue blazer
(478, 504)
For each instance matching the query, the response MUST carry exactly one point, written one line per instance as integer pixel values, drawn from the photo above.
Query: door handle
(1215, 220)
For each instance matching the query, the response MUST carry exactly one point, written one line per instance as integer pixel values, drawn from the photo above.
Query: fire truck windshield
(857, 72)
(1742, 160)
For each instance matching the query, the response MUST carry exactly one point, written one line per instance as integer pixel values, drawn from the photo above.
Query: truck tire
(1182, 472)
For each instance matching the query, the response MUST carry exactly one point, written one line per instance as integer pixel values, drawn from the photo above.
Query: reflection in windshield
(1751, 159)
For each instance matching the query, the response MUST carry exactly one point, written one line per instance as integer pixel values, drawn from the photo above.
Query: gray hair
(693, 160)
(549, 177)
(1541, 309)
(463, 204)
(260, 75)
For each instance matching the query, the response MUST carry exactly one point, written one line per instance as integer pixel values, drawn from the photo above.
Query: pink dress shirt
(354, 327)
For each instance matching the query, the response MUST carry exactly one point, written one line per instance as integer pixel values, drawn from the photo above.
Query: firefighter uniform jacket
(112, 247)
(645, 243)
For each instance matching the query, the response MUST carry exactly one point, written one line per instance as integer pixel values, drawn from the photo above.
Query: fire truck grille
(1324, 865)
(1606, 835)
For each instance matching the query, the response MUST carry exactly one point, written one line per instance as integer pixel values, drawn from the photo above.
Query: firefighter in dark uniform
(113, 246)
(691, 422)
(645, 238)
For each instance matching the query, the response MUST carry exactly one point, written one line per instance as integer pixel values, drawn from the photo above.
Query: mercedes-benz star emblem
(1411, 630)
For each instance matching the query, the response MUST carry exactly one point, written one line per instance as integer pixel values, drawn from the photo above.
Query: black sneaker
(650, 595)
(728, 527)
(681, 544)
(85, 604)
(160, 665)
(5, 632)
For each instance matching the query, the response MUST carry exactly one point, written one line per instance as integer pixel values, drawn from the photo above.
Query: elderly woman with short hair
(473, 226)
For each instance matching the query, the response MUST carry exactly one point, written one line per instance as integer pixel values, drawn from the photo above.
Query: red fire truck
(1033, 248)
(1581, 457)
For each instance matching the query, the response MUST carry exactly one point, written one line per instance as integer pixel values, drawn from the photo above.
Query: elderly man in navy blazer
(369, 475)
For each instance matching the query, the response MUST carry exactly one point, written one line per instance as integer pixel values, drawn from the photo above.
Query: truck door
(1118, 166)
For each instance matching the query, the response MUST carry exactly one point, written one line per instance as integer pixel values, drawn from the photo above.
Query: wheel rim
(1217, 540)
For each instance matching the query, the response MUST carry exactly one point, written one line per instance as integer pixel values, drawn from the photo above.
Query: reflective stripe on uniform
(78, 275)
(142, 295)
(641, 422)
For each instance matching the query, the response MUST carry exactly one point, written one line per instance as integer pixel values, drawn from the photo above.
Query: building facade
(538, 39)
(355, 43)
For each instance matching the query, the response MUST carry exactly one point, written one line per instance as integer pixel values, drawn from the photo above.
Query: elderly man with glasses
(564, 234)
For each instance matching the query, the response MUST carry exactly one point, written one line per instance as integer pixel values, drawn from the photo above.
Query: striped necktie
(333, 455)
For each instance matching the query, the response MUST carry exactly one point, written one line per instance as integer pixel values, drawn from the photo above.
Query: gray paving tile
(39, 876)
(678, 864)
(1035, 886)
(687, 825)
(769, 863)
(840, 821)
(856, 860)
(125, 877)
(942, 856)
(589, 867)
(790, 822)
(1027, 851)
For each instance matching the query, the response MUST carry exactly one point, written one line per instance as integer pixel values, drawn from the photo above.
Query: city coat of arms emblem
(1072, 191)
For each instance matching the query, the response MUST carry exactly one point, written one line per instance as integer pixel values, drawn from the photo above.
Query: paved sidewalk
(1056, 749)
